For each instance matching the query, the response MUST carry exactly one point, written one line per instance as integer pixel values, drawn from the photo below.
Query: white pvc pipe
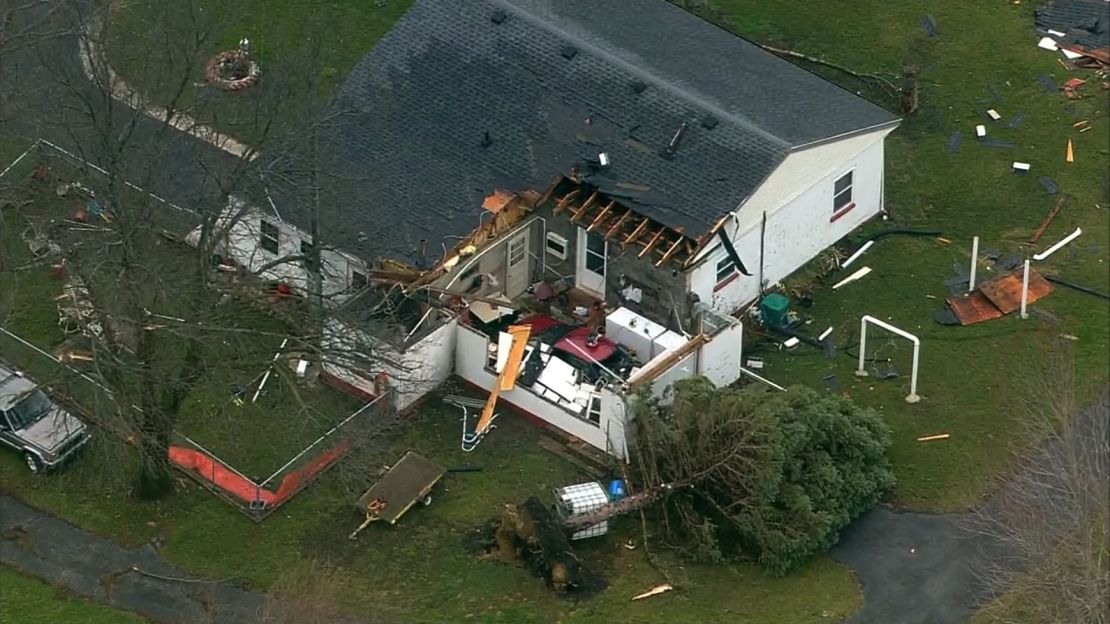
(853, 277)
(266, 377)
(1053, 249)
(763, 379)
(862, 372)
(859, 252)
(974, 263)
(1025, 290)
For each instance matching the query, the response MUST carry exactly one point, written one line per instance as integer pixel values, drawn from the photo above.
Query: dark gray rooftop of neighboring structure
(460, 99)
(1086, 22)
(13, 387)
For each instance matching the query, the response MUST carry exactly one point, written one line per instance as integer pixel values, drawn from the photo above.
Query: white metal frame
(913, 397)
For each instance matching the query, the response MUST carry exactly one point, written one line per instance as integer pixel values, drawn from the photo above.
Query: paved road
(95, 568)
(922, 568)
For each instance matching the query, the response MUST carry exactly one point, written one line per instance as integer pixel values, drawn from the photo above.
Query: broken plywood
(998, 297)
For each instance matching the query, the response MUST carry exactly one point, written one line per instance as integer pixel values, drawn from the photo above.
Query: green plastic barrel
(774, 308)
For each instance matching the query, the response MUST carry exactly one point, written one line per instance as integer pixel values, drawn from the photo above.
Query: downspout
(762, 236)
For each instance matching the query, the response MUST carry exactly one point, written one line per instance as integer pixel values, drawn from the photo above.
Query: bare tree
(1050, 522)
(161, 324)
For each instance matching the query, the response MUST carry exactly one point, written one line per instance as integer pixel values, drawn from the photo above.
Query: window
(556, 245)
(308, 259)
(270, 237)
(842, 192)
(726, 268)
(593, 412)
(358, 280)
(595, 254)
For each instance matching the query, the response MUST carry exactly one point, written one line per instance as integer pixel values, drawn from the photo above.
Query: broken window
(725, 268)
(269, 237)
(358, 280)
(593, 413)
(842, 192)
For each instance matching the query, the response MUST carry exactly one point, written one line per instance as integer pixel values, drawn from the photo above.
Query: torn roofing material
(1084, 22)
(459, 100)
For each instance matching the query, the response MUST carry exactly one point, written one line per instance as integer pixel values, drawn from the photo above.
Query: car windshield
(29, 410)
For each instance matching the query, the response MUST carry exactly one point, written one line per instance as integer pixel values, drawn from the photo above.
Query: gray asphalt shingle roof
(460, 99)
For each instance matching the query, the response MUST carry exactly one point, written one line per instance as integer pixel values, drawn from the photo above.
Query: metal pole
(913, 396)
(974, 263)
(1025, 290)
(861, 371)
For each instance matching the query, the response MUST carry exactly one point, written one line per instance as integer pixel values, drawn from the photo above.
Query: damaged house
(619, 177)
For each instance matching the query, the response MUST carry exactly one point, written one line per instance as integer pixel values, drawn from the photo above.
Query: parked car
(32, 424)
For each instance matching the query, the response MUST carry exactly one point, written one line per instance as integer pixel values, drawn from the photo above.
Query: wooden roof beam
(617, 226)
(637, 232)
(600, 216)
(565, 201)
(651, 243)
(584, 207)
(670, 252)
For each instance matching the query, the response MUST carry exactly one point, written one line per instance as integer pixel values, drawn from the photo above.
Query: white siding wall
(798, 200)
(242, 245)
(470, 364)
(719, 360)
(421, 368)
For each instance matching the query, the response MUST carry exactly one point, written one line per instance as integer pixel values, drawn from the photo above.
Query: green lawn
(25, 600)
(151, 43)
(422, 569)
(968, 374)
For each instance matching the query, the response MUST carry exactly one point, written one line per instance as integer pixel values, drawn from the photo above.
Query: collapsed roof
(459, 100)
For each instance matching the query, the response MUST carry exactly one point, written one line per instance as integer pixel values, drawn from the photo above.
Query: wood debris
(930, 438)
(654, 591)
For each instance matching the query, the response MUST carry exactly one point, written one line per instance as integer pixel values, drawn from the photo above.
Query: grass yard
(25, 600)
(968, 374)
(285, 40)
(422, 569)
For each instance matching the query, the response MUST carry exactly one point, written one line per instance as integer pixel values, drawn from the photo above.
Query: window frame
(560, 241)
(264, 237)
(306, 249)
(838, 205)
(720, 279)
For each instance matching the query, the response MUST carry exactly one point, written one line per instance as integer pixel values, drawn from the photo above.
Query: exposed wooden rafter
(584, 207)
(601, 215)
(565, 201)
(616, 227)
(670, 252)
(651, 243)
(637, 232)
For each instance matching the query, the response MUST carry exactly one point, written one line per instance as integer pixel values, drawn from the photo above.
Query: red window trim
(725, 282)
(843, 211)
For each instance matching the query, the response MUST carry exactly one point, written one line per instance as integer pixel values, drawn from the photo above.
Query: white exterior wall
(241, 244)
(798, 200)
(470, 364)
(421, 368)
(720, 359)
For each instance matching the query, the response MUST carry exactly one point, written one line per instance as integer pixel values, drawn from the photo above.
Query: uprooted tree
(733, 473)
(773, 477)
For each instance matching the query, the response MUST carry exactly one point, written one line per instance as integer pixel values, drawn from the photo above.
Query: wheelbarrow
(403, 485)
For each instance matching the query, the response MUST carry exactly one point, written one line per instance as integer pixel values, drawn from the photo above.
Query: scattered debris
(1078, 28)
(791, 342)
(993, 299)
(1070, 155)
(1053, 249)
(1015, 121)
(859, 252)
(832, 383)
(930, 438)
(943, 241)
(1047, 43)
(993, 114)
(1069, 337)
(1047, 221)
(1020, 167)
(853, 277)
(654, 591)
(755, 363)
(929, 25)
(1049, 185)
(980, 131)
